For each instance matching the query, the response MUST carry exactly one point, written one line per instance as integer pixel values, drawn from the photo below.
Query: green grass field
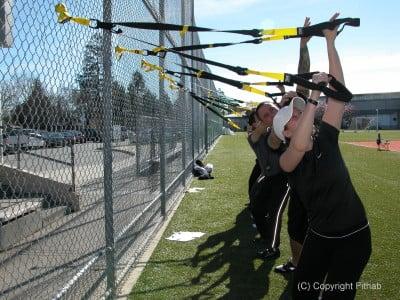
(222, 263)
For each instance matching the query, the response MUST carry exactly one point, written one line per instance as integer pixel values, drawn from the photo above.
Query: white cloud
(369, 72)
(373, 72)
(212, 8)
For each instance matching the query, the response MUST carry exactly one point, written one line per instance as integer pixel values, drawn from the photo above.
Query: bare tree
(14, 92)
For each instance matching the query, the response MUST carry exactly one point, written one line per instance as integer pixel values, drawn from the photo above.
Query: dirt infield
(393, 146)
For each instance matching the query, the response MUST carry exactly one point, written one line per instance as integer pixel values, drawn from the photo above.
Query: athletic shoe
(285, 268)
(269, 254)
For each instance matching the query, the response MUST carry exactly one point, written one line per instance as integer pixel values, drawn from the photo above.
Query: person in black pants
(338, 244)
(256, 172)
(269, 194)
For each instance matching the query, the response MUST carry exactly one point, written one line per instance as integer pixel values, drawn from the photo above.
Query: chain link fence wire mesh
(94, 151)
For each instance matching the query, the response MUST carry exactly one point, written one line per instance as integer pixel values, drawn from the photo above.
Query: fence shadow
(244, 278)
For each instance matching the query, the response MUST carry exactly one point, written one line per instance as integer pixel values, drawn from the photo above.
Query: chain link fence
(95, 152)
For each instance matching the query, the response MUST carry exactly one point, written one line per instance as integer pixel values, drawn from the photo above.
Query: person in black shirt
(269, 197)
(379, 141)
(269, 194)
(338, 244)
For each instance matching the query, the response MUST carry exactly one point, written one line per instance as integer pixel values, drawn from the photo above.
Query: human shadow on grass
(287, 292)
(246, 276)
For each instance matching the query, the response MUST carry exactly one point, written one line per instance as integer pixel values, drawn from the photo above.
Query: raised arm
(258, 132)
(334, 112)
(304, 59)
(301, 141)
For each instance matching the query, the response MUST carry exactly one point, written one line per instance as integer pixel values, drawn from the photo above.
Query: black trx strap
(260, 34)
(165, 26)
(313, 30)
(211, 103)
(341, 93)
(216, 45)
(238, 84)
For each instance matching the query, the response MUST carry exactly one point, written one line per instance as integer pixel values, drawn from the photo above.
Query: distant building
(385, 106)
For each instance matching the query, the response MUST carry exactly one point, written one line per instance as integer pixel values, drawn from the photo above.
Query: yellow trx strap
(277, 76)
(280, 31)
(238, 109)
(273, 38)
(233, 124)
(172, 83)
(184, 30)
(120, 50)
(147, 67)
(64, 16)
(253, 104)
(253, 90)
(159, 49)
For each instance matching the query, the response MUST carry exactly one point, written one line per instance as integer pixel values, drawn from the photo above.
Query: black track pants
(331, 267)
(268, 199)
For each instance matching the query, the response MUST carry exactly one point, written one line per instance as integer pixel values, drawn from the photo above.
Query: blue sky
(370, 54)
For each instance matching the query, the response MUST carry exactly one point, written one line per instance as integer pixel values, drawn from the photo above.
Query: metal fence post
(192, 79)
(18, 150)
(73, 167)
(2, 144)
(206, 130)
(183, 82)
(162, 119)
(107, 154)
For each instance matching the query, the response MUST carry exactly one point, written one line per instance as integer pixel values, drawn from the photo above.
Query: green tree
(36, 110)
(119, 104)
(13, 93)
(90, 82)
(136, 98)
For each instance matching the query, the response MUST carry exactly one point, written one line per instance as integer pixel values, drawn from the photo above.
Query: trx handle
(316, 30)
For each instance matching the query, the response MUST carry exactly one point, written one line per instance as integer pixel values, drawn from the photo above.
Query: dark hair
(258, 107)
(252, 117)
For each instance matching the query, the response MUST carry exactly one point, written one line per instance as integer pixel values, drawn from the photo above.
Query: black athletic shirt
(268, 159)
(323, 184)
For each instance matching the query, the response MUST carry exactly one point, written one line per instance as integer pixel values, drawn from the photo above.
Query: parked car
(35, 140)
(17, 139)
(9, 146)
(92, 134)
(53, 139)
(124, 133)
(79, 136)
(69, 137)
